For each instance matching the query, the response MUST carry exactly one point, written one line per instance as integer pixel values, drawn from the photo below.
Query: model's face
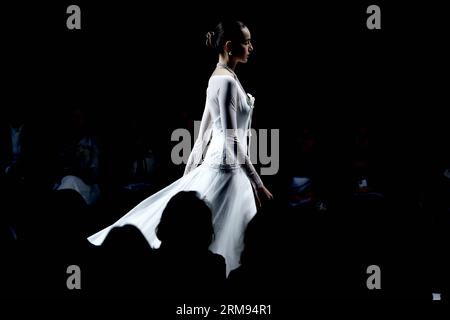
(245, 47)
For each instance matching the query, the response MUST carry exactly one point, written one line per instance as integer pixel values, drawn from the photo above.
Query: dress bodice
(218, 152)
(225, 128)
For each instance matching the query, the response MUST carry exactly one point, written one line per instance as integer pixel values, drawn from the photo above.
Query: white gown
(224, 179)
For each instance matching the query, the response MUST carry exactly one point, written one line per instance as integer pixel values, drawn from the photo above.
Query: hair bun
(209, 36)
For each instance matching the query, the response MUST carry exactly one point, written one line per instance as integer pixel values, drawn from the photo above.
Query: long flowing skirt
(229, 195)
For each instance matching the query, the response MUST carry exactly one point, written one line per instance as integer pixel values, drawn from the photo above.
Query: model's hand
(262, 194)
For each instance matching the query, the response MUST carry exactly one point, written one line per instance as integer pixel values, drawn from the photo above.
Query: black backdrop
(314, 62)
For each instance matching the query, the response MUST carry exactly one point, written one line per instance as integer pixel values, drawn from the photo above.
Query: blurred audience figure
(306, 185)
(122, 267)
(185, 266)
(79, 157)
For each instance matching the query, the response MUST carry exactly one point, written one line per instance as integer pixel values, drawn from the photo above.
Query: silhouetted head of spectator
(127, 240)
(125, 263)
(186, 223)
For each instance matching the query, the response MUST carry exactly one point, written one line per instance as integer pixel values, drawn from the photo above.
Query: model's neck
(225, 60)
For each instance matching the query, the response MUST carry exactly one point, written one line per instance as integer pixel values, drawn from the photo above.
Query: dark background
(319, 57)
(315, 64)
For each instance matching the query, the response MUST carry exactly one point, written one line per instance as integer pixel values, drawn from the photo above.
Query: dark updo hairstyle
(223, 32)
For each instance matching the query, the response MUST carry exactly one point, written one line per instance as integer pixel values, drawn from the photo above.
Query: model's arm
(228, 107)
(201, 143)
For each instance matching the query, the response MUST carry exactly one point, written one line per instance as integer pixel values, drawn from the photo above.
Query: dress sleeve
(201, 144)
(228, 113)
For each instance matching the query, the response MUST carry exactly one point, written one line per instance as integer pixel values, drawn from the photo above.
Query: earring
(229, 53)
